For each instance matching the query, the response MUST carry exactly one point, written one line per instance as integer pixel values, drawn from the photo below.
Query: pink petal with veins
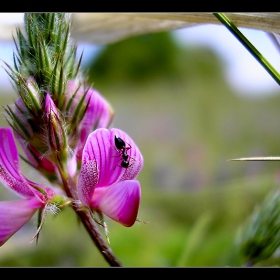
(34, 157)
(121, 202)
(10, 174)
(98, 114)
(14, 215)
(101, 162)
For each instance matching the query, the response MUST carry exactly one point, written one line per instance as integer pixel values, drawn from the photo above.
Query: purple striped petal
(101, 162)
(14, 215)
(10, 175)
(121, 202)
(35, 158)
(136, 160)
(98, 114)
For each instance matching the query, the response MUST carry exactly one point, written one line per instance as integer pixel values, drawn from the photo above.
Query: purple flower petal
(121, 202)
(136, 160)
(35, 158)
(14, 215)
(10, 174)
(72, 165)
(88, 178)
(98, 114)
(55, 130)
(49, 105)
(101, 162)
(101, 147)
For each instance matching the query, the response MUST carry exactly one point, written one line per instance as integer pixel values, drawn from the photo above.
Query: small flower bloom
(104, 183)
(96, 112)
(39, 162)
(14, 214)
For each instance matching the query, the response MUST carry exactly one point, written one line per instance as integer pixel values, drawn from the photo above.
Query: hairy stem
(88, 222)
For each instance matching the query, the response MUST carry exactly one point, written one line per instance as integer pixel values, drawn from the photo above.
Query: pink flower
(111, 162)
(53, 139)
(41, 163)
(98, 112)
(15, 214)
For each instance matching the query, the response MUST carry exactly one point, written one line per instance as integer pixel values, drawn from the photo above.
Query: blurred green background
(175, 103)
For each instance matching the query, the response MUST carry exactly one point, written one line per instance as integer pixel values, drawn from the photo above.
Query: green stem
(245, 42)
(86, 219)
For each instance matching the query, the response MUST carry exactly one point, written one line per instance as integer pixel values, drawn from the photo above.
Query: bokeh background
(175, 101)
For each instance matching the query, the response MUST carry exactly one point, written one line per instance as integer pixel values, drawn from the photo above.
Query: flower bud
(56, 133)
(260, 236)
(41, 163)
(86, 110)
(24, 116)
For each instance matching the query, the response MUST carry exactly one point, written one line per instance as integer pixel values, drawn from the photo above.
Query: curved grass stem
(246, 43)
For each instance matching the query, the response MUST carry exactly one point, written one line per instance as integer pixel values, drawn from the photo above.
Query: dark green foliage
(140, 59)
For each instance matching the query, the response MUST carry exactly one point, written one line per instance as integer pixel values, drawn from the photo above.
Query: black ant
(122, 150)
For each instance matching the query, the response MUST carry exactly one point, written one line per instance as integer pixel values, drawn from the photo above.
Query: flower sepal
(57, 137)
(53, 206)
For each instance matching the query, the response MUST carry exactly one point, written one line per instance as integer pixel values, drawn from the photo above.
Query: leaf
(195, 239)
